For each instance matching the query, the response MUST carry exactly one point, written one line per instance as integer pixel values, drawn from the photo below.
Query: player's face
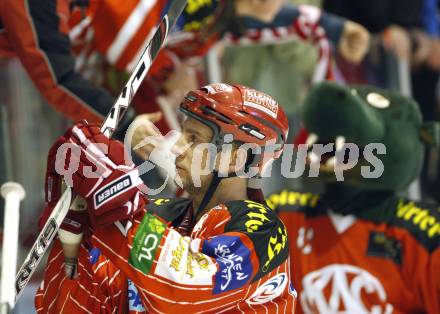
(191, 164)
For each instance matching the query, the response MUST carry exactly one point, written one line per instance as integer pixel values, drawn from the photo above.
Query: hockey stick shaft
(13, 194)
(110, 123)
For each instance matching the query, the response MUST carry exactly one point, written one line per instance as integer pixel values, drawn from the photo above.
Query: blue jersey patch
(134, 299)
(94, 254)
(233, 257)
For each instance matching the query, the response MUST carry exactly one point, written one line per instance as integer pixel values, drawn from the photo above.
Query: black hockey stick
(117, 111)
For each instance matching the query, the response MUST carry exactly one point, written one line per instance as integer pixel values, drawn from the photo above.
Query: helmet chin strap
(210, 192)
(254, 190)
(218, 140)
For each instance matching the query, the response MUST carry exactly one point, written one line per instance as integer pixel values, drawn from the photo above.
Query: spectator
(390, 20)
(36, 32)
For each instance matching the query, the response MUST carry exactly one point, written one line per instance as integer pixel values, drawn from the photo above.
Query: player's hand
(97, 170)
(141, 128)
(354, 43)
(147, 142)
(76, 220)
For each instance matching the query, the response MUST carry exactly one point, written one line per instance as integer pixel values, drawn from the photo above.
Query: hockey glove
(94, 166)
(75, 222)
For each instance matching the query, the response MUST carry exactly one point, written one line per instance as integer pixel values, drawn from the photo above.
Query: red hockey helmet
(250, 116)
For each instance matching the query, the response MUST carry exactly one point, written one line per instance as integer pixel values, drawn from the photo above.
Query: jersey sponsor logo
(277, 242)
(146, 242)
(261, 102)
(341, 289)
(257, 217)
(270, 290)
(134, 298)
(112, 190)
(292, 198)
(177, 263)
(196, 262)
(178, 253)
(232, 267)
(233, 258)
(419, 217)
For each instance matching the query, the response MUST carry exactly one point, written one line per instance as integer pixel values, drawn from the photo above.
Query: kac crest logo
(342, 289)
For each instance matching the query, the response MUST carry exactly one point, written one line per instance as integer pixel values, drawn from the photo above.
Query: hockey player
(218, 251)
(359, 247)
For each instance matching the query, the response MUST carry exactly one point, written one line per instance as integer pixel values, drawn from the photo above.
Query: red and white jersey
(386, 262)
(235, 260)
